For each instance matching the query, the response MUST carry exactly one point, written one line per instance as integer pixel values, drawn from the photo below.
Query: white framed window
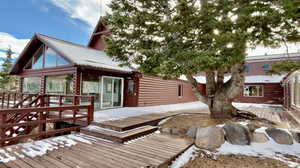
(253, 91)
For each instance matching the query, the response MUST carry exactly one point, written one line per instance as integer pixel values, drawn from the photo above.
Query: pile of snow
(247, 105)
(270, 149)
(121, 113)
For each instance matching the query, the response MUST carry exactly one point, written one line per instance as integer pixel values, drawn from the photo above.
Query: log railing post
(3, 117)
(91, 110)
(2, 101)
(8, 100)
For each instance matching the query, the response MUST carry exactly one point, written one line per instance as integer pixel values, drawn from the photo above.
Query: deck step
(116, 136)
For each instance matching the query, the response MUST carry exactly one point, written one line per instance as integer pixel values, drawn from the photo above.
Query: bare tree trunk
(220, 95)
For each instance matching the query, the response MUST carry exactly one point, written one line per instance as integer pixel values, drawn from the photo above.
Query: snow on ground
(121, 113)
(247, 105)
(189, 154)
(270, 149)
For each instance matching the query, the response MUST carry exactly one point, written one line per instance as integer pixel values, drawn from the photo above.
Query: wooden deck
(152, 151)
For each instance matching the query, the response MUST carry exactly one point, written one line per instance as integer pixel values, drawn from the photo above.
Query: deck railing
(19, 121)
(15, 99)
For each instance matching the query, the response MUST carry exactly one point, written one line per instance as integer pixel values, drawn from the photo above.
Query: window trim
(263, 90)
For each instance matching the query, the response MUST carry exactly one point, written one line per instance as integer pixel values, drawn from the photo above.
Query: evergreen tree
(7, 81)
(171, 38)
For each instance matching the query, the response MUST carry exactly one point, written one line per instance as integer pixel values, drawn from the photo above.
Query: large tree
(171, 38)
(7, 81)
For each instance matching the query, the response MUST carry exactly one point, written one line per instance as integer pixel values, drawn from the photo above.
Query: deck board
(152, 150)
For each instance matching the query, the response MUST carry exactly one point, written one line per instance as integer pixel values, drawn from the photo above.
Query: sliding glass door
(112, 92)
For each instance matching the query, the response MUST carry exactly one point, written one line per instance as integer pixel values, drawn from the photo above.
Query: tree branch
(195, 89)
(220, 78)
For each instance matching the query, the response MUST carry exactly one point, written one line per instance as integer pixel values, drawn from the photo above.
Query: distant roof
(76, 54)
(248, 79)
(273, 56)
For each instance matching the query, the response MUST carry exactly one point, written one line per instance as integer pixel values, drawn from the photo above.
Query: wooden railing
(15, 99)
(17, 123)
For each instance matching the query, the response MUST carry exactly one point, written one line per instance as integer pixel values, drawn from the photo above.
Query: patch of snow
(80, 139)
(5, 156)
(189, 154)
(270, 149)
(121, 113)
(164, 120)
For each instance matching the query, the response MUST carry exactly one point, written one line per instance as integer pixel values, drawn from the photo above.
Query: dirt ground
(235, 161)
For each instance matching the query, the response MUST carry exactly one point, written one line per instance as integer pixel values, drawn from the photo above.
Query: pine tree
(171, 38)
(7, 81)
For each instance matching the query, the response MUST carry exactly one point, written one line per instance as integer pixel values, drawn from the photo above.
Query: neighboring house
(261, 87)
(291, 85)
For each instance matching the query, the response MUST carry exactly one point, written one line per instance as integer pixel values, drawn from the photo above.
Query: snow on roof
(84, 56)
(248, 79)
(274, 56)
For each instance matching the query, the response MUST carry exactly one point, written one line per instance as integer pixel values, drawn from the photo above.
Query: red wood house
(52, 66)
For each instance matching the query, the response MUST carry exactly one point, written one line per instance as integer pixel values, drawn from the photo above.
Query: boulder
(209, 137)
(165, 130)
(192, 132)
(177, 131)
(296, 135)
(280, 136)
(260, 137)
(237, 134)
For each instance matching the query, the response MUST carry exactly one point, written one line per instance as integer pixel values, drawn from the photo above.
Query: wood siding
(156, 91)
(273, 94)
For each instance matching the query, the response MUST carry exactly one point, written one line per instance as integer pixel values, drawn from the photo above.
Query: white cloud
(88, 11)
(7, 40)
(260, 50)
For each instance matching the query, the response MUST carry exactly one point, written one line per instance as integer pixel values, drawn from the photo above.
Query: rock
(296, 136)
(165, 130)
(280, 136)
(209, 137)
(260, 137)
(177, 131)
(192, 132)
(237, 134)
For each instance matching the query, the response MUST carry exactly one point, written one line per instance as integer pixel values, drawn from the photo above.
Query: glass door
(112, 92)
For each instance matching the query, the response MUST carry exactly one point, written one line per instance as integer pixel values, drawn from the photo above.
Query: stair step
(116, 136)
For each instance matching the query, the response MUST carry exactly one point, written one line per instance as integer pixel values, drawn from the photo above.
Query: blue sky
(70, 20)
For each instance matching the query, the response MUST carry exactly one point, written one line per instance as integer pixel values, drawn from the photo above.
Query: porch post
(43, 85)
(77, 81)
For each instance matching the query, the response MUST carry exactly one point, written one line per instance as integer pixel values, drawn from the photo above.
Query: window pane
(253, 91)
(31, 85)
(61, 61)
(117, 92)
(131, 84)
(37, 60)
(59, 84)
(52, 59)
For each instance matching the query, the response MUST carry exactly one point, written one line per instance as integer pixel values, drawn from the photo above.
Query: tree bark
(220, 95)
